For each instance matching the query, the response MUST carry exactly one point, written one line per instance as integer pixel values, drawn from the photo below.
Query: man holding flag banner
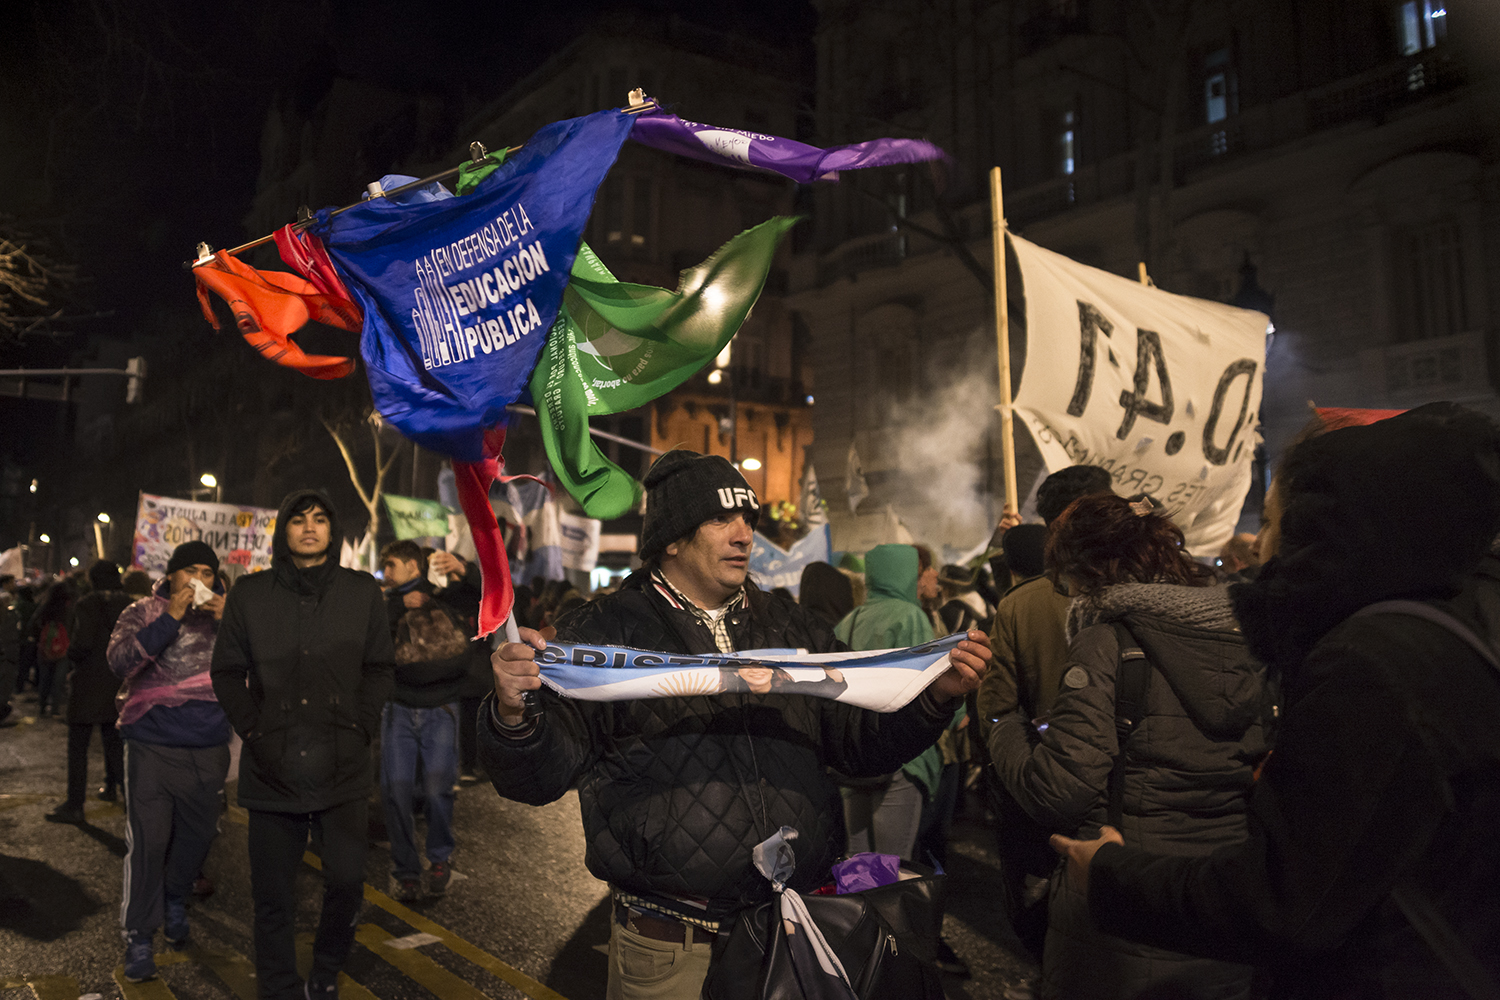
(710, 754)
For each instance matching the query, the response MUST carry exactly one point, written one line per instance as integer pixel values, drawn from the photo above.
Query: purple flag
(731, 147)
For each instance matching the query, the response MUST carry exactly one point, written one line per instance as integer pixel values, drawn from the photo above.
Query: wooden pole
(1140, 270)
(1002, 338)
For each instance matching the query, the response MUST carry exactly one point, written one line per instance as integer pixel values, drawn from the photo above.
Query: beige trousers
(641, 968)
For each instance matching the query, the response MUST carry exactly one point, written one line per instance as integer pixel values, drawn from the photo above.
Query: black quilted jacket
(675, 792)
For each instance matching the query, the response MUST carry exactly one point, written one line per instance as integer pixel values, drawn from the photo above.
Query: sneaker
(405, 890)
(139, 963)
(176, 926)
(949, 962)
(315, 987)
(1021, 989)
(66, 813)
(438, 877)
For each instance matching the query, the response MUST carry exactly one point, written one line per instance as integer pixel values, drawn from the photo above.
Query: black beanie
(684, 489)
(193, 554)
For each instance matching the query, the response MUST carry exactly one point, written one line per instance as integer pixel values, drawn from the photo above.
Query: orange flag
(270, 306)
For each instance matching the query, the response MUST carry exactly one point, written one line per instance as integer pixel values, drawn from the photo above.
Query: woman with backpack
(1161, 717)
(49, 627)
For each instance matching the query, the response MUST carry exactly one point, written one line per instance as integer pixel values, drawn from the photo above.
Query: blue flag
(773, 566)
(459, 293)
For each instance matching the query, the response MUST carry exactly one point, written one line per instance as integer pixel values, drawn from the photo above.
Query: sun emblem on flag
(687, 683)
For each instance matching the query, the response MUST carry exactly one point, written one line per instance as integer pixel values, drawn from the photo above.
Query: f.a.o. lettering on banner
(1160, 390)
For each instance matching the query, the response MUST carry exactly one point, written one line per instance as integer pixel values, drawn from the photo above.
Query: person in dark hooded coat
(92, 689)
(303, 667)
(1377, 813)
(826, 592)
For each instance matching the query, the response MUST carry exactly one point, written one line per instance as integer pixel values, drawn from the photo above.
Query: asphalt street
(523, 918)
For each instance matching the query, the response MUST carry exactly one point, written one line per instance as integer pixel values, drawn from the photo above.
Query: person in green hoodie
(883, 814)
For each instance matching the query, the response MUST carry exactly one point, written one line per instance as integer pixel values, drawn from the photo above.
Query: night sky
(130, 129)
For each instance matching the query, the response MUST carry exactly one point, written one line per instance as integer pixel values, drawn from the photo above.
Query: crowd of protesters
(1270, 771)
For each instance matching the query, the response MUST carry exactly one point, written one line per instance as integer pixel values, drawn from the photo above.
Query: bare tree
(341, 434)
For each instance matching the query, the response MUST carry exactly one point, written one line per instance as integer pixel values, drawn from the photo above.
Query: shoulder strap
(1131, 678)
(1439, 617)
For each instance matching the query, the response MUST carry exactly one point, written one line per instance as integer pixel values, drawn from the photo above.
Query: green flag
(616, 346)
(413, 518)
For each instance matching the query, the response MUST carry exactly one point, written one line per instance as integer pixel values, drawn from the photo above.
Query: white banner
(580, 540)
(1162, 390)
(241, 536)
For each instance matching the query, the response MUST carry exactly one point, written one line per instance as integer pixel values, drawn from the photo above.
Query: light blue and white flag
(882, 680)
(772, 566)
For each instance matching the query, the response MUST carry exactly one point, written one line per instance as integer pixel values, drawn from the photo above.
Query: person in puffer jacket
(1371, 867)
(303, 667)
(676, 792)
(1188, 762)
(176, 748)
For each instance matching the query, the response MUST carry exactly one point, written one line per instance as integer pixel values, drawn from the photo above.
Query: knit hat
(192, 554)
(684, 489)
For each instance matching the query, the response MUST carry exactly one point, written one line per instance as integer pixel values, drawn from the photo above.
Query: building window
(627, 210)
(1424, 23)
(1432, 283)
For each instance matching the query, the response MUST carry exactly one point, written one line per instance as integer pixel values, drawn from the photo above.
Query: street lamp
(101, 520)
(210, 481)
(750, 463)
(73, 561)
(44, 538)
(33, 486)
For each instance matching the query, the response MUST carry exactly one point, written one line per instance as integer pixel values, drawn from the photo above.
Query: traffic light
(135, 378)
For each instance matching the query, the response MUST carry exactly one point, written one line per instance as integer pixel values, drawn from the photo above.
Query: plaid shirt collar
(717, 625)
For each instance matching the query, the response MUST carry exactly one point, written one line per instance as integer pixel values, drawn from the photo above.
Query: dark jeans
(78, 758)
(418, 758)
(277, 841)
(51, 686)
(172, 813)
(937, 817)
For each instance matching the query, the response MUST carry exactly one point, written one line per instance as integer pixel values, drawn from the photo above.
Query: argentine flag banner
(882, 680)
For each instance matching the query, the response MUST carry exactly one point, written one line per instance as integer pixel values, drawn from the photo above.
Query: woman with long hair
(1200, 725)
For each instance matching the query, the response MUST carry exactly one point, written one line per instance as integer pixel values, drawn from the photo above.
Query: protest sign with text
(1162, 390)
(241, 536)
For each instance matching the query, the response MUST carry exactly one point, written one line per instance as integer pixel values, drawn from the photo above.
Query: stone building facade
(1333, 163)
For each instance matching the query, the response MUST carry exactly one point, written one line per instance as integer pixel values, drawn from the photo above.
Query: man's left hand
(970, 659)
(1080, 854)
(448, 564)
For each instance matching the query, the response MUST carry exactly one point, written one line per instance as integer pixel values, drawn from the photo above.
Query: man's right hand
(181, 601)
(516, 672)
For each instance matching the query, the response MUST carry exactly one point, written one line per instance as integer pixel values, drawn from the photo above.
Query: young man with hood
(303, 669)
(176, 749)
(676, 792)
(91, 690)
